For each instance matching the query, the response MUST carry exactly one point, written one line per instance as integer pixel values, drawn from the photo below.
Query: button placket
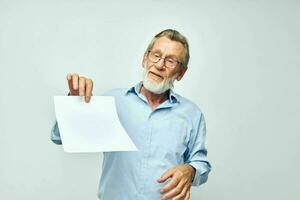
(146, 154)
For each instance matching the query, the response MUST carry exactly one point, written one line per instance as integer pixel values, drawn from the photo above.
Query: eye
(157, 55)
(170, 60)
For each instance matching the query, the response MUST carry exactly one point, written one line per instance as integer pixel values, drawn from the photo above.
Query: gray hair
(174, 36)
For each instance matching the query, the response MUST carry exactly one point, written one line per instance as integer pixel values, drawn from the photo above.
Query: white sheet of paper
(90, 127)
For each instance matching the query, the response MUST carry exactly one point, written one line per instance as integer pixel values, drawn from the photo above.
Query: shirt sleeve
(197, 153)
(55, 135)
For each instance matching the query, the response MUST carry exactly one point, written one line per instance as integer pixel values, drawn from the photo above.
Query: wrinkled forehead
(166, 47)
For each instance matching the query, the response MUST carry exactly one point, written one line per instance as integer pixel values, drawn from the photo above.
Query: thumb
(165, 176)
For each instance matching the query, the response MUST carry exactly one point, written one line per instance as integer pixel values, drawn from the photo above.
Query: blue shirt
(172, 134)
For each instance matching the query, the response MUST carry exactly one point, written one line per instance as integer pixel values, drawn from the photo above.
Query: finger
(166, 175)
(175, 191)
(69, 78)
(75, 81)
(172, 184)
(182, 194)
(187, 196)
(81, 86)
(88, 90)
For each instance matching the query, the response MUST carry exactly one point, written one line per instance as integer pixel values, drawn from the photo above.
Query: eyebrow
(168, 55)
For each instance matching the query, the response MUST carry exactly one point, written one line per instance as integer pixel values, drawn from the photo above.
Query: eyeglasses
(169, 62)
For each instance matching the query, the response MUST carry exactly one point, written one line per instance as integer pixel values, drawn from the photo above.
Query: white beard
(157, 88)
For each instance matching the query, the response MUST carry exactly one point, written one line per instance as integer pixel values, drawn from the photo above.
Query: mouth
(155, 76)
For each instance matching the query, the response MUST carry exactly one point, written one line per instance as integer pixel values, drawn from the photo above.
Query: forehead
(168, 47)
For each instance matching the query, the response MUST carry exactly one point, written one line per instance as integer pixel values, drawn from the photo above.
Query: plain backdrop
(244, 74)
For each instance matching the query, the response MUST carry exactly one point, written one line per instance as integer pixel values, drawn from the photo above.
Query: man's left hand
(180, 184)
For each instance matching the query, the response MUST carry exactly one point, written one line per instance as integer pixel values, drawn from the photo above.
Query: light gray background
(243, 73)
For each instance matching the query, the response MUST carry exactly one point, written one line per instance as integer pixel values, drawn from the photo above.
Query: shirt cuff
(202, 171)
(55, 135)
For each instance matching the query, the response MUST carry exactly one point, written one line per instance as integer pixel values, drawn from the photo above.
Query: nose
(160, 64)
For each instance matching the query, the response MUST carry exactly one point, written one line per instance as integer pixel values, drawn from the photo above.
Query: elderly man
(168, 129)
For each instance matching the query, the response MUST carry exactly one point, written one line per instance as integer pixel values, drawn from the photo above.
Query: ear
(144, 59)
(181, 73)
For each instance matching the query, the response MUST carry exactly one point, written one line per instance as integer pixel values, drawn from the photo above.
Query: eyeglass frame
(175, 60)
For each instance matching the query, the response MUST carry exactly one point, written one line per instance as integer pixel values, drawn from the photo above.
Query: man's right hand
(80, 86)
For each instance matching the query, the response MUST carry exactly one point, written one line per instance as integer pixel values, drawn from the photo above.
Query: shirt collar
(173, 98)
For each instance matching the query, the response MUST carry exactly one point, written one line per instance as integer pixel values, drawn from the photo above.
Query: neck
(154, 99)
